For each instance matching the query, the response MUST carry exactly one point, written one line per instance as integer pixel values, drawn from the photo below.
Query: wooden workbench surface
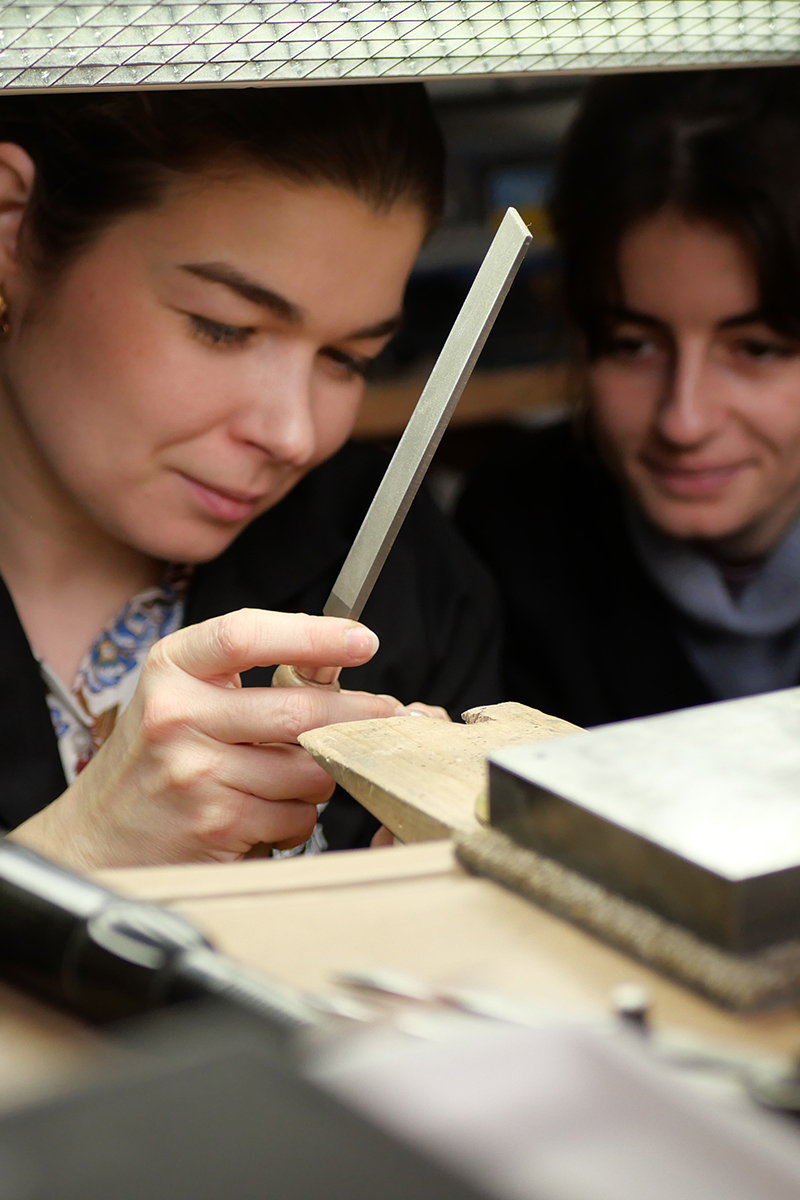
(413, 908)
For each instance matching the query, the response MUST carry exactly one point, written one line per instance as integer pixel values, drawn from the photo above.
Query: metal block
(694, 814)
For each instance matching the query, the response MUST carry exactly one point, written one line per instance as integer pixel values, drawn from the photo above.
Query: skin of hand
(383, 837)
(418, 709)
(696, 399)
(199, 769)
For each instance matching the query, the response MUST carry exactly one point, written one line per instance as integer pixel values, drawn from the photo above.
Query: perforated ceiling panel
(118, 45)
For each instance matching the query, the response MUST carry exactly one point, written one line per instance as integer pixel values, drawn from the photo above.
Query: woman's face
(200, 357)
(697, 400)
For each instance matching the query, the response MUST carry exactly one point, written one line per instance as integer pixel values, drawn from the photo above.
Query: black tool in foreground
(208, 1101)
(103, 957)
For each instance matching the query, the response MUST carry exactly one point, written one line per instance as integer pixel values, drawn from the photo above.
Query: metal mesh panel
(75, 45)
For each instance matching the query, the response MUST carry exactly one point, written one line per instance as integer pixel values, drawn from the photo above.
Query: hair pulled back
(101, 155)
(717, 146)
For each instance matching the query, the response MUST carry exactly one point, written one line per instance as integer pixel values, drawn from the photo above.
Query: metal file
(429, 419)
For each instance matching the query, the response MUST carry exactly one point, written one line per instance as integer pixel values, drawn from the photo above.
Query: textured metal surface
(429, 419)
(695, 814)
(77, 45)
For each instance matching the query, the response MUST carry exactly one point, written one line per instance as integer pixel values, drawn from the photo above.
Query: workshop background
(502, 140)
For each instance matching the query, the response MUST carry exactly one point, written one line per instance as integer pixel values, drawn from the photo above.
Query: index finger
(255, 637)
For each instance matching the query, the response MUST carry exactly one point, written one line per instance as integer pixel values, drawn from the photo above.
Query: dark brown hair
(719, 146)
(100, 155)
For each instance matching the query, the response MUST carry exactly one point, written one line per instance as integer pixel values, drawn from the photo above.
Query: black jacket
(588, 637)
(433, 609)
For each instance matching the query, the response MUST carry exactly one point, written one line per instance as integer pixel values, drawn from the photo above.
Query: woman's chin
(696, 521)
(192, 542)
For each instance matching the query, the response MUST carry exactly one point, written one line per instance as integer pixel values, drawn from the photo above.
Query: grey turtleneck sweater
(741, 643)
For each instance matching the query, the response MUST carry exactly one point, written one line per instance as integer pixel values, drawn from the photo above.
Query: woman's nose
(279, 415)
(688, 412)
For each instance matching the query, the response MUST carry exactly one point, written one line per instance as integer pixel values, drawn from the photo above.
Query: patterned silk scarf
(84, 716)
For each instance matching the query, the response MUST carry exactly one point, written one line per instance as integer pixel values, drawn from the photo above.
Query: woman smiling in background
(193, 285)
(649, 554)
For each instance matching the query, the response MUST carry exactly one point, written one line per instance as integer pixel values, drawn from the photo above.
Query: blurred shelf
(489, 396)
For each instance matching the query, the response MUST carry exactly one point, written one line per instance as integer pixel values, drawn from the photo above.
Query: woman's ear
(17, 173)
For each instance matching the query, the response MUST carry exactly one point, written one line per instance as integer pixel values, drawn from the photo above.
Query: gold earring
(4, 323)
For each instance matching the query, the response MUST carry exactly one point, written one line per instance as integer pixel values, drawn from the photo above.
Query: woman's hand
(199, 768)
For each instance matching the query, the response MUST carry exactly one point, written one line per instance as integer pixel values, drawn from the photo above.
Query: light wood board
(420, 777)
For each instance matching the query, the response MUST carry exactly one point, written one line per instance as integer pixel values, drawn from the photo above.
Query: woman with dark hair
(649, 552)
(192, 286)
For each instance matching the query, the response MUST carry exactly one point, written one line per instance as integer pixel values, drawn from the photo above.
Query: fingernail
(361, 642)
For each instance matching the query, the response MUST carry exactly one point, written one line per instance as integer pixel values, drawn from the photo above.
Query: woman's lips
(225, 506)
(694, 481)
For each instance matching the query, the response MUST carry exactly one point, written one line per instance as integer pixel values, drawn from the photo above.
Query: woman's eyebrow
(620, 313)
(754, 317)
(217, 272)
(390, 325)
(279, 306)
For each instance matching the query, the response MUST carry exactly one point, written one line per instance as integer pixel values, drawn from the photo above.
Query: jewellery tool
(420, 439)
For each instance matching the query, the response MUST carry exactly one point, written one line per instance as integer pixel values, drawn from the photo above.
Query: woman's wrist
(54, 833)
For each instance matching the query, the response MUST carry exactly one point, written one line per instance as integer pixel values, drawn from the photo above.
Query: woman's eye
(217, 333)
(629, 345)
(762, 349)
(349, 366)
